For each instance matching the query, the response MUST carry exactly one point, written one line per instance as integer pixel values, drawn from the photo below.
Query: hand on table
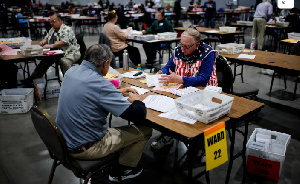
(133, 97)
(172, 78)
(144, 31)
(42, 43)
(126, 91)
(47, 46)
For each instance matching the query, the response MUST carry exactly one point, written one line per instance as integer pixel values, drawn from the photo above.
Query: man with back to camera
(59, 36)
(192, 64)
(158, 26)
(263, 12)
(85, 100)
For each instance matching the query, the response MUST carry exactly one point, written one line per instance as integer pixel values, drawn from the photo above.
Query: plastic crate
(167, 36)
(230, 48)
(295, 36)
(267, 163)
(53, 88)
(17, 100)
(227, 29)
(31, 50)
(202, 106)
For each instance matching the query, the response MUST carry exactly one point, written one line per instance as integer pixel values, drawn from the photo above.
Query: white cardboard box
(199, 105)
(17, 100)
(53, 88)
(230, 48)
(276, 153)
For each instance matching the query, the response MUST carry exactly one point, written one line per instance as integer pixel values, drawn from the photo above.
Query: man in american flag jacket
(192, 63)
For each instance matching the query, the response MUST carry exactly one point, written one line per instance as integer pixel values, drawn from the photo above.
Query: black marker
(139, 73)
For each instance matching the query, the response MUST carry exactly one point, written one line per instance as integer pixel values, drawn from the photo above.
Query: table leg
(244, 151)
(231, 157)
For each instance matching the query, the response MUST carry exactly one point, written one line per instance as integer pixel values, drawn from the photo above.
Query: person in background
(149, 3)
(117, 39)
(198, 3)
(263, 12)
(22, 22)
(196, 8)
(60, 36)
(284, 13)
(177, 11)
(191, 6)
(168, 8)
(82, 115)
(158, 26)
(294, 20)
(210, 11)
(71, 9)
(130, 4)
(192, 64)
(275, 7)
(40, 3)
(121, 17)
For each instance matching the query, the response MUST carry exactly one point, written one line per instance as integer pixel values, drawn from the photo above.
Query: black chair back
(224, 74)
(57, 147)
(80, 41)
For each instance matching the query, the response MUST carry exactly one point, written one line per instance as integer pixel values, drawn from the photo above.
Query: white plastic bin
(228, 29)
(53, 88)
(230, 48)
(116, 81)
(167, 36)
(200, 105)
(17, 100)
(267, 163)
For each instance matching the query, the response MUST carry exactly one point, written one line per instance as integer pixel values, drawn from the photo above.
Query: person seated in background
(284, 13)
(60, 36)
(192, 64)
(294, 20)
(158, 26)
(85, 100)
(71, 9)
(168, 8)
(117, 39)
(196, 8)
(191, 6)
(22, 22)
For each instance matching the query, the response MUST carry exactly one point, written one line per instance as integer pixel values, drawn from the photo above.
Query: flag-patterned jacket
(200, 70)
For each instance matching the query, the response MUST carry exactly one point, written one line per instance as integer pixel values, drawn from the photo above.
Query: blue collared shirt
(85, 100)
(264, 10)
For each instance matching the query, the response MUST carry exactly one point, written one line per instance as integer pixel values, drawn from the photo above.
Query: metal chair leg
(54, 165)
(295, 89)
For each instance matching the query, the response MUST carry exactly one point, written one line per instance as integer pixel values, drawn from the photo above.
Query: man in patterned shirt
(62, 37)
(192, 64)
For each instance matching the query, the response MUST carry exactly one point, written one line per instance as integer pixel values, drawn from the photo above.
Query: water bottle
(139, 67)
(252, 46)
(125, 60)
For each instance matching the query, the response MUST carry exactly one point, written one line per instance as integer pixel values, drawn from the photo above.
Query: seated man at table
(85, 100)
(62, 37)
(192, 64)
(158, 26)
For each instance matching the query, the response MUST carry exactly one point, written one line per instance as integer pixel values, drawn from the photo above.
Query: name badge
(161, 24)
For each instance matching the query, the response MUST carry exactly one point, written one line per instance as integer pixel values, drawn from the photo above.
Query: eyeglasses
(186, 47)
(52, 21)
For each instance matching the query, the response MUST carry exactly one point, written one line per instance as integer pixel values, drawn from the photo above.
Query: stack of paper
(213, 89)
(140, 90)
(160, 103)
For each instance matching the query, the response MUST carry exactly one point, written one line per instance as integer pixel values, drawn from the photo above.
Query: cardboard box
(204, 106)
(17, 100)
(230, 48)
(53, 88)
(267, 163)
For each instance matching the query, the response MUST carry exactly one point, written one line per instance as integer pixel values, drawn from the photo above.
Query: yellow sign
(215, 146)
